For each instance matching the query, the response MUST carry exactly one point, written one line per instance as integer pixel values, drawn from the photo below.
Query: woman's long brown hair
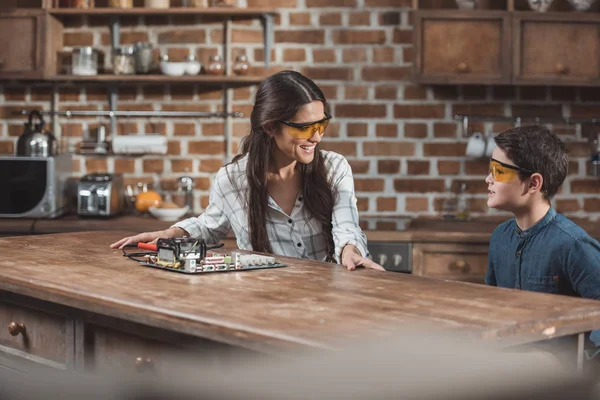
(279, 97)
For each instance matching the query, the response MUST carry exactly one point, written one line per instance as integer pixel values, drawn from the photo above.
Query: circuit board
(229, 269)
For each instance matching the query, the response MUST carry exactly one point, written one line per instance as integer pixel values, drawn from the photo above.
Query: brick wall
(403, 145)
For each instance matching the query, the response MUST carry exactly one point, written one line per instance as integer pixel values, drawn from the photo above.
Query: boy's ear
(535, 182)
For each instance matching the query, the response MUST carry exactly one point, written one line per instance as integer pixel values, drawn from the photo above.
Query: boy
(538, 250)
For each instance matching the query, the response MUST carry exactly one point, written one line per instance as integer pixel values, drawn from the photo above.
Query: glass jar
(143, 57)
(195, 3)
(215, 66)
(241, 65)
(121, 3)
(223, 3)
(84, 61)
(157, 3)
(124, 60)
(81, 3)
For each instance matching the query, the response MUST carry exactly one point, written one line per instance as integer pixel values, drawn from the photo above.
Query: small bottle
(186, 189)
(241, 65)
(449, 208)
(215, 66)
(462, 207)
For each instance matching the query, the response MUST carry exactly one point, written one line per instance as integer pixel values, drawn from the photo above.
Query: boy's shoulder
(505, 228)
(568, 229)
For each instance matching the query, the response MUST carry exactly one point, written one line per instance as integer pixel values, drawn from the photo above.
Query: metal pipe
(519, 119)
(137, 114)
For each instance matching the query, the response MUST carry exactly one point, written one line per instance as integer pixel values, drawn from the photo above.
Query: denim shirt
(553, 256)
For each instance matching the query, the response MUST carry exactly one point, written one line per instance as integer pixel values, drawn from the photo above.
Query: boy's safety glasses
(502, 172)
(307, 130)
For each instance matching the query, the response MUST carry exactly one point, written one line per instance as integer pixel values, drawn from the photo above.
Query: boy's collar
(541, 224)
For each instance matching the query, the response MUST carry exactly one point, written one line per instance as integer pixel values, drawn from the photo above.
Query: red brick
(359, 18)
(418, 111)
(294, 55)
(312, 36)
(41, 93)
(386, 130)
(385, 73)
(273, 3)
(344, 148)
(444, 149)
(360, 110)
(352, 92)
(14, 93)
(490, 109)
(573, 168)
(15, 130)
(126, 38)
(354, 55)
(174, 147)
(418, 185)
(76, 165)
(206, 147)
(184, 129)
(357, 129)
(388, 166)
(445, 92)
(474, 186)
(179, 36)
(445, 129)
(578, 149)
(362, 204)
(96, 165)
(330, 91)
(402, 36)
(386, 204)
(568, 205)
(408, 54)
(417, 167)
(585, 186)
(591, 205)
(359, 166)
(330, 3)
(73, 39)
(474, 92)
(182, 165)
(156, 128)
(187, 107)
(384, 54)
(414, 204)
(330, 19)
(300, 18)
(328, 73)
(355, 37)
(415, 130)
(368, 185)
(415, 93)
(153, 165)
(390, 18)
(124, 165)
(68, 94)
(477, 167)
(74, 130)
(324, 55)
(386, 92)
(7, 147)
(210, 165)
(202, 183)
(532, 110)
(388, 148)
(585, 111)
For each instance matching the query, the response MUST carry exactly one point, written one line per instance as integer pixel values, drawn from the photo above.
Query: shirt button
(290, 221)
(299, 244)
(518, 286)
(519, 253)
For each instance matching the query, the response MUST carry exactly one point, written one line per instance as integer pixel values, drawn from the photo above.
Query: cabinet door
(457, 47)
(555, 52)
(461, 262)
(20, 49)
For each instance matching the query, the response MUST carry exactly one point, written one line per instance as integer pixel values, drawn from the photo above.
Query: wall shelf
(140, 11)
(156, 79)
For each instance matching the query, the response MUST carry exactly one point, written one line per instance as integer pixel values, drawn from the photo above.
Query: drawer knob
(562, 69)
(14, 329)
(462, 67)
(143, 364)
(460, 264)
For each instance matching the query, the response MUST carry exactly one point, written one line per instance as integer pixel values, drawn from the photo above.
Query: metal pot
(35, 141)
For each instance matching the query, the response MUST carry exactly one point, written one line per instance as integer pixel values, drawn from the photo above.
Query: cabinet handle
(142, 364)
(14, 329)
(562, 69)
(462, 67)
(459, 264)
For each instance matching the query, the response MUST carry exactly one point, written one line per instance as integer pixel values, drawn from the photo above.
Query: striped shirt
(295, 235)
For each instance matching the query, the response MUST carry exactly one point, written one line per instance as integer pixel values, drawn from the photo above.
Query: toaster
(100, 195)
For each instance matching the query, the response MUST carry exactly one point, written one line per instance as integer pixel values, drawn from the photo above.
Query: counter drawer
(465, 262)
(26, 332)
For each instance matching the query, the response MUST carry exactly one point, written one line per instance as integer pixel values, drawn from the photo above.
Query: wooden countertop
(308, 303)
(386, 229)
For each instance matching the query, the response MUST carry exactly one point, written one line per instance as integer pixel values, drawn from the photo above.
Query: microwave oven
(34, 187)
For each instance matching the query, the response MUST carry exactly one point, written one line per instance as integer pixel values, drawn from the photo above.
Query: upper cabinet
(504, 46)
(552, 49)
(462, 47)
(34, 54)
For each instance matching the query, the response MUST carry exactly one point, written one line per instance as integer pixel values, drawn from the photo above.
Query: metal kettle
(35, 141)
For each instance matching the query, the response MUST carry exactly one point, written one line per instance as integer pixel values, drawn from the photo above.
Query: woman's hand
(149, 237)
(351, 258)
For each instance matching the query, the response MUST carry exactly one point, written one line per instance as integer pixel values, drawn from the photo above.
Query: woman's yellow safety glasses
(502, 172)
(307, 130)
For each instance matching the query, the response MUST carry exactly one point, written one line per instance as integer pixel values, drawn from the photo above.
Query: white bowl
(173, 68)
(168, 214)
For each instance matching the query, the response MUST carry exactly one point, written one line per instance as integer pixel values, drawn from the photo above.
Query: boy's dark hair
(537, 149)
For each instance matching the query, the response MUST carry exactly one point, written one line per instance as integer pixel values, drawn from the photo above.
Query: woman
(282, 194)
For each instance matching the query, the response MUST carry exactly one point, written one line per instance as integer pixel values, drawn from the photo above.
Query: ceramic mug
(476, 145)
